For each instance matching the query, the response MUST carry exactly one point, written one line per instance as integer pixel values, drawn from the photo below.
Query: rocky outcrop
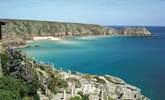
(135, 31)
(14, 43)
(53, 84)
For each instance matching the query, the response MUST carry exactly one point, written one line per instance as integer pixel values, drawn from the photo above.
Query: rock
(114, 80)
(135, 31)
(19, 43)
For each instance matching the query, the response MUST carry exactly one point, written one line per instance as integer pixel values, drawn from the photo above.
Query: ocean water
(140, 61)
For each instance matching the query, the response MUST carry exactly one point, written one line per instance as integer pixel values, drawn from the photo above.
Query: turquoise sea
(140, 61)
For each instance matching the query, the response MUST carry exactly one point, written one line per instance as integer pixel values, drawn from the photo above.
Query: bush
(99, 80)
(11, 84)
(9, 95)
(76, 98)
(56, 82)
(4, 58)
(14, 88)
(83, 96)
(16, 65)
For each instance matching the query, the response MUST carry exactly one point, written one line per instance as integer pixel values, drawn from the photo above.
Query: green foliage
(9, 95)
(83, 96)
(99, 80)
(35, 97)
(76, 98)
(56, 82)
(20, 78)
(4, 58)
(110, 98)
(87, 76)
(12, 86)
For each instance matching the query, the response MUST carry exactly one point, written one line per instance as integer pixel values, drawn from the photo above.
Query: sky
(104, 12)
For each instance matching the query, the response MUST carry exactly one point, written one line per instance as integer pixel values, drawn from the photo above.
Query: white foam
(65, 41)
(91, 37)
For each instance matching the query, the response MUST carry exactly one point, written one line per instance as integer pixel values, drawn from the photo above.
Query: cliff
(26, 29)
(23, 79)
(136, 31)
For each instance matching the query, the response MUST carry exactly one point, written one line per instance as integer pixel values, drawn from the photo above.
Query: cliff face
(135, 31)
(48, 83)
(26, 29)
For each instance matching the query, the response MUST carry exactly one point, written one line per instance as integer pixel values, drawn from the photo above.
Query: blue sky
(105, 12)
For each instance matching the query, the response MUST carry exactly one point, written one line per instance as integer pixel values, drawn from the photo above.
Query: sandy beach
(45, 38)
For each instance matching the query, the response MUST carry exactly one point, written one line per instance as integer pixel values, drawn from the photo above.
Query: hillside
(17, 32)
(28, 28)
(24, 79)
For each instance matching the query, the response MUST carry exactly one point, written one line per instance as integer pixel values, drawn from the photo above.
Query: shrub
(12, 87)
(76, 98)
(9, 95)
(55, 82)
(99, 80)
(4, 58)
(83, 96)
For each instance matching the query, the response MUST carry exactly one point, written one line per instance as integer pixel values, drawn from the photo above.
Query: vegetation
(19, 77)
(110, 98)
(27, 28)
(99, 80)
(55, 82)
(76, 98)
(9, 95)
(14, 89)
(87, 76)
(4, 58)
(77, 82)
(84, 96)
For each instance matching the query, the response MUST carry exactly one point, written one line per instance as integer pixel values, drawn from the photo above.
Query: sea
(140, 61)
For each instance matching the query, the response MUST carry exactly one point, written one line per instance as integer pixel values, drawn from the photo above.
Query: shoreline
(116, 81)
(53, 38)
(36, 38)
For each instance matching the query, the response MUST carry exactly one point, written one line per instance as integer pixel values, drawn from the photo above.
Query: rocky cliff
(26, 29)
(24, 79)
(135, 31)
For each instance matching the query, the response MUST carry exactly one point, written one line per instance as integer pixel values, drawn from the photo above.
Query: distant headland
(16, 32)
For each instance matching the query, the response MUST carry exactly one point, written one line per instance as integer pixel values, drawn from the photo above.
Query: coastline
(53, 38)
(114, 82)
(36, 38)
